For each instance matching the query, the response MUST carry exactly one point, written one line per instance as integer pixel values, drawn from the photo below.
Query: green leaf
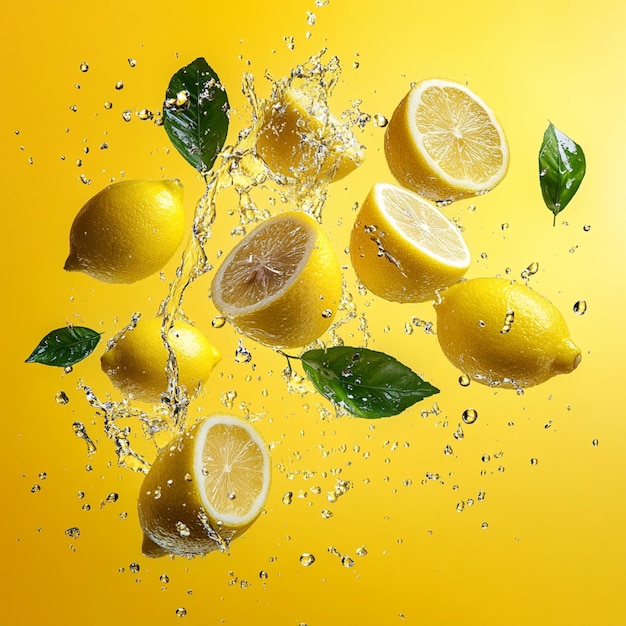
(364, 382)
(561, 169)
(65, 347)
(195, 114)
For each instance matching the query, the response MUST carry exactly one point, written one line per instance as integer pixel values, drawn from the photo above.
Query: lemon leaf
(65, 347)
(195, 114)
(366, 383)
(561, 169)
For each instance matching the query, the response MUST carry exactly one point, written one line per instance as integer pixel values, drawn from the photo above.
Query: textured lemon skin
(403, 273)
(302, 139)
(128, 231)
(409, 166)
(305, 309)
(170, 508)
(136, 363)
(473, 333)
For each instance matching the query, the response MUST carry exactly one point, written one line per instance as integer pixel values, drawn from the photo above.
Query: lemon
(503, 333)
(445, 143)
(300, 138)
(403, 248)
(281, 284)
(137, 363)
(127, 231)
(204, 489)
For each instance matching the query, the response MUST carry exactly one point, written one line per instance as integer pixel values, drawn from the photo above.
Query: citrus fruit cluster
(442, 144)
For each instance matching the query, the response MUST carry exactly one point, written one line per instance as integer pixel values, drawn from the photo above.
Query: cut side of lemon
(281, 285)
(445, 143)
(205, 488)
(300, 138)
(403, 248)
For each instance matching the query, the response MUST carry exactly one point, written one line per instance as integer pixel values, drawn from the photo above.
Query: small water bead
(145, 114)
(288, 497)
(108, 105)
(587, 227)
(347, 561)
(73, 532)
(218, 321)
(164, 578)
(532, 269)
(263, 575)
(61, 397)
(134, 568)
(469, 416)
(35, 488)
(361, 551)
(84, 67)
(326, 514)
(112, 497)
(132, 62)
(460, 507)
(310, 18)
(181, 611)
(119, 85)
(464, 380)
(307, 559)
(595, 443)
(127, 115)
(327, 314)
(242, 354)
(580, 307)
(380, 120)
(534, 461)
(509, 318)
(484, 525)
(504, 226)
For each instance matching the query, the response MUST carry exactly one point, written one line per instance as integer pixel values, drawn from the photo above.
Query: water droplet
(35, 489)
(84, 67)
(504, 226)
(263, 575)
(587, 227)
(288, 497)
(361, 551)
(326, 514)
(242, 354)
(108, 105)
(534, 461)
(127, 115)
(134, 568)
(183, 529)
(307, 559)
(380, 120)
(460, 507)
(112, 497)
(73, 532)
(509, 318)
(327, 314)
(595, 443)
(181, 611)
(164, 578)
(346, 561)
(532, 269)
(81, 433)
(464, 380)
(218, 321)
(61, 397)
(145, 114)
(484, 525)
(469, 416)
(132, 62)
(119, 85)
(580, 307)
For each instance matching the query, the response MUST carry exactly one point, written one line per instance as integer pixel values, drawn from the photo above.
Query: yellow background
(546, 545)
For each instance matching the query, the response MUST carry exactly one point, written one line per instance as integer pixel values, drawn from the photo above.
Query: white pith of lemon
(403, 248)
(281, 285)
(445, 143)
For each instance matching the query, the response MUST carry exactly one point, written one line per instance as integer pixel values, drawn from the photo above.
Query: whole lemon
(503, 333)
(137, 363)
(127, 231)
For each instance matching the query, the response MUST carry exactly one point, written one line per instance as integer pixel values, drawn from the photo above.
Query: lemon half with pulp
(403, 248)
(205, 488)
(445, 143)
(281, 284)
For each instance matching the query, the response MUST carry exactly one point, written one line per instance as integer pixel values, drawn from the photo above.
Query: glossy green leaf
(65, 347)
(561, 169)
(366, 383)
(195, 114)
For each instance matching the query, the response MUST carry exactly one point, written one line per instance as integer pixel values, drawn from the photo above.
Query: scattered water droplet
(35, 489)
(132, 62)
(263, 575)
(460, 507)
(347, 561)
(327, 314)
(183, 529)
(127, 115)
(464, 380)
(509, 318)
(242, 354)
(595, 443)
(84, 67)
(73, 532)
(307, 559)
(534, 461)
(484, 525)
(61, 397)
(119, 85)
(380, 120)
(469, 416)
(587, 227)
(181, 611)
(361, 551)
(108, 105)
(145, 114)
(288, 497)
(580, 307)
(326, 514)
(532, 269)
(218, 321)
(164, 578)
(133, 568)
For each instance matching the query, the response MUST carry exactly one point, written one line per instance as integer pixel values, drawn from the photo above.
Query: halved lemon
(445, 143)
(205, 488)
(300, 138)
(280, 285)
(403, 248)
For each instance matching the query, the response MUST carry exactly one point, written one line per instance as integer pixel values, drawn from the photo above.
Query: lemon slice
(300, 138)
(281, 284)
(205, 488)
(403, 248)
(445, 143)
